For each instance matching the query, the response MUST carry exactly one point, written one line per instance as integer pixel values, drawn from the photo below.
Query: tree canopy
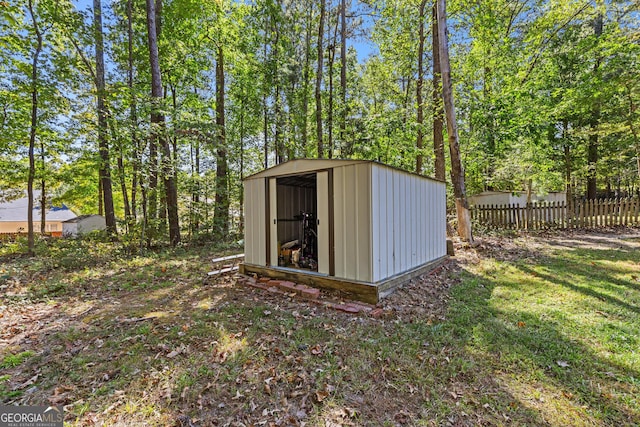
(546, 92)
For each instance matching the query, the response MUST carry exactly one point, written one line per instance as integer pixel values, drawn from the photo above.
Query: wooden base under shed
(362, 291)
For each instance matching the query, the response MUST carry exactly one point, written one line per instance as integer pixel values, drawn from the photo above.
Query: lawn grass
(532, 331)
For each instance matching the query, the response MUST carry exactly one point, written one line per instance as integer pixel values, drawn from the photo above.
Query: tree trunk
(265, 111)
(33, 130)
(221, 212)
(438, 107)
(332, 55)
(457, 172)
(43, 192)
(305, 95)
(103, 145)
(419, 84)
(133, 111)
(343, 78)
(592, 149)
(158, 125)
(319, 71)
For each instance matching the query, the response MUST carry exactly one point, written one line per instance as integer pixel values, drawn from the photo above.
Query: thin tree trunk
(43, 192)
(419, 85)
(241, 189)
(221, 212)
(305, 96)
(133, 111)
(438, 106)
(343, 78)
(158, 125)
(594, 122)
(457, 172)
(103, 145)
(33, 130)
(265, 111)
(332, 55)
(319, 71)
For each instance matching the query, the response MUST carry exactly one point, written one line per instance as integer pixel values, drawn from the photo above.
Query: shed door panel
(273, 222)
(323, 222)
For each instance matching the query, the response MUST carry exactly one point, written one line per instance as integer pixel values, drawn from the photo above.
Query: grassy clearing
(529, 331)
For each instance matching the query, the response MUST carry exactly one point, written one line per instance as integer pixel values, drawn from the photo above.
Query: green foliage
(528, 77)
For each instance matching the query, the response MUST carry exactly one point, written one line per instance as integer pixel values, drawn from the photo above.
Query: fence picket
(592, 213)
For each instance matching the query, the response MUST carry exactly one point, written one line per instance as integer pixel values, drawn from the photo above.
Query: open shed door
(273, 222)
(323, 221)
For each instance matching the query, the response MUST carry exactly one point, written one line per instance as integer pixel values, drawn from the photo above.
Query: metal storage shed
(357, 226)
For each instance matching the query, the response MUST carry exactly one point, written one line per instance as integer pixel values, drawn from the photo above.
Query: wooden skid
(362, 291)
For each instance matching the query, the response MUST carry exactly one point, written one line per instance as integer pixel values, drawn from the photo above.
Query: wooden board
(368, 292)
(361, 291)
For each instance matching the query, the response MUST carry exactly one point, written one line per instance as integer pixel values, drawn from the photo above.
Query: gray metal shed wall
(352, 221)
(408, 221)
(255, 222)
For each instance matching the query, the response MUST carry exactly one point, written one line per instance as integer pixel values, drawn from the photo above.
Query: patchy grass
(525, 330)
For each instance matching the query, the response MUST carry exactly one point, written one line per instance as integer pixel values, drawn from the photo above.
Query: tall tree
(103, 145)
(34, 126)
(419, 87)
(457, 171)
(438, 113)
(158, 125)
(594, 121)
(221, 212)
(319, 72)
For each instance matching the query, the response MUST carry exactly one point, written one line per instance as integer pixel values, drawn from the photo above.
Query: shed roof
(300, 166)
(16, 210)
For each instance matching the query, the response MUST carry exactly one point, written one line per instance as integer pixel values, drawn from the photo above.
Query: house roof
(16, 210)
(79, 218)
(301, 166)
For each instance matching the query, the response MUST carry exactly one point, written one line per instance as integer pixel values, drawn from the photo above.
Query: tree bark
(221, 212)
(457, 172)
(438, 107)
(133, 111)
(594, 122)
(103, 145)
(419, 89)
(306, 72)
(158, 125)
(319, 71)
(33, 130)
(343, 77)
(43, 192)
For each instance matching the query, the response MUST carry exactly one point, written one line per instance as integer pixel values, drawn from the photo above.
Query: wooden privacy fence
(545, 215)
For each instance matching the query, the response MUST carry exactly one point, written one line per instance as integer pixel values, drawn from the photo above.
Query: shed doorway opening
(297, 221)
(299, 211)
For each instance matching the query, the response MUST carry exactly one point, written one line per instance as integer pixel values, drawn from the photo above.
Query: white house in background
(518, 198)
(83, 224)
(13, 216)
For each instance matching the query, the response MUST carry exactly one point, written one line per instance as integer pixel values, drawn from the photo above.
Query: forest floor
(523, 329)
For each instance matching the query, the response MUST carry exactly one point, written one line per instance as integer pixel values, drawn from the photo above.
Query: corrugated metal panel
(323, 221)
(254, 232)
(352, 205)
(411, 230)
